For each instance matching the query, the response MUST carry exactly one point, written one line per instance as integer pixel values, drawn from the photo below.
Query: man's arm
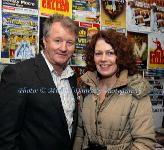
(11, 109)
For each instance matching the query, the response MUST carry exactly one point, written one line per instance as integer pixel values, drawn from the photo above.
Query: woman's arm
(142, 124)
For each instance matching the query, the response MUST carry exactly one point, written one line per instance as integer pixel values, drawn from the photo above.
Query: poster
(138, 16)
(156, 51)
(49, 7)
(140, 49)
(113, 13)
(157, 20)
(86, 11)
(19, 37)
(21, 6)
(86, 31)
(145, 16)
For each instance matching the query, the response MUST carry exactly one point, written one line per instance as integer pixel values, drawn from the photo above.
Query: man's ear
(44, 41)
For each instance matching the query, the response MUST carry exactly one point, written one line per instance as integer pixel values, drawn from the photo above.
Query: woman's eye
(110, 53)
(97, 53)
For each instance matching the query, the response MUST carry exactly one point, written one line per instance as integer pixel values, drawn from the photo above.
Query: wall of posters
(21, 24)
(145, 18)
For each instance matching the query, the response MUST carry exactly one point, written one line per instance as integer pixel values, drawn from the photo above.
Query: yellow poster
(113, 13)
(49, 7)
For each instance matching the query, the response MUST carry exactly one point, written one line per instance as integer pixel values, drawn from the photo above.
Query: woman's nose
(103, 57)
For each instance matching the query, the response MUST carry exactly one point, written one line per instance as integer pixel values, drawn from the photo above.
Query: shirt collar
(68, 72)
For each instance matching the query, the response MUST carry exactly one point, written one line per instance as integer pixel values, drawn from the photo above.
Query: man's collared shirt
(65, 91)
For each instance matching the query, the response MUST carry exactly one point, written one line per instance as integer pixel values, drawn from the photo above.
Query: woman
(115, 110)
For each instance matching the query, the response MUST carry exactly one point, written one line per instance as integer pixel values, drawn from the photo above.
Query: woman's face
(105, 59)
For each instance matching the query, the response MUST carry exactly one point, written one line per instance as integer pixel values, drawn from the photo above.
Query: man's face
(59, 45)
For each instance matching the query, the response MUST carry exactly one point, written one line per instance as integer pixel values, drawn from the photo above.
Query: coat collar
(91, 79)
(137, 84)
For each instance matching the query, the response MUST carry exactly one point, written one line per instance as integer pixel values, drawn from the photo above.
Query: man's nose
(64, 46)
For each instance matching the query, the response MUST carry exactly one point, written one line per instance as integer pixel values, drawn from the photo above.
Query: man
(38, 106)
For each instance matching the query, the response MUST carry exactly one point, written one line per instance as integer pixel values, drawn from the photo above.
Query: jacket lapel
(43, 71)
(45, 77)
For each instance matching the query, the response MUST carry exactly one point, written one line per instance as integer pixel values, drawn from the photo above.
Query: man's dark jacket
(31, 112)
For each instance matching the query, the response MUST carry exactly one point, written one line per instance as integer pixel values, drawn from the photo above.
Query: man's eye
(57, 41)
(70, 43)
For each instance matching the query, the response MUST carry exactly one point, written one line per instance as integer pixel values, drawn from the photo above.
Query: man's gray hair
(65, 21)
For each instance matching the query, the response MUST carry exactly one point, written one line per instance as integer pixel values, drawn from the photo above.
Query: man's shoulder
(23, 66)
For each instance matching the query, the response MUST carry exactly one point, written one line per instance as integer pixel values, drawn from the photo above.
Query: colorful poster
(156, 51)
(49, 7)
(140, 49)
(19, 37)
(86, 11)
(87, 30)
(141, 16)
(113, 13)
(21, 6)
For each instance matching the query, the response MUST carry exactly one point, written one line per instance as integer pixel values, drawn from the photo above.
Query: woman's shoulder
(139, 85)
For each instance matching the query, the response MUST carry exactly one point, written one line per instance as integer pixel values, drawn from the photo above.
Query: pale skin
(105, 61)
(59, 46)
